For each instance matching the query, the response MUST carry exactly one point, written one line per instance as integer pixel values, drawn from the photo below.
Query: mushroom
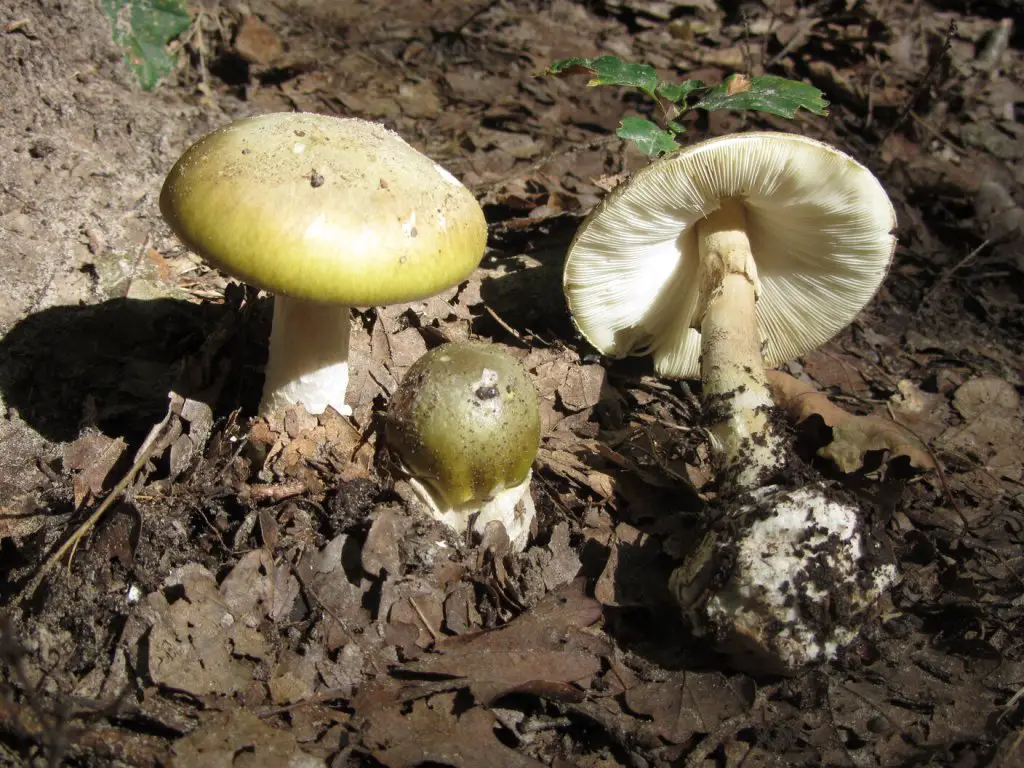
(786, 582)
(326, 213)
(739, 251)
(465, 425)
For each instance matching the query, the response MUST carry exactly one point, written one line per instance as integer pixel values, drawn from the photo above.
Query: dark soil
(262, 592)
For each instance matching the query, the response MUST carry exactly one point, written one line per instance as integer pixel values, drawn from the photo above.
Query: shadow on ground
(109, 365)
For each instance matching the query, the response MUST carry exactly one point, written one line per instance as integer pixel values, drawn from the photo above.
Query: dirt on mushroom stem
(732, 369)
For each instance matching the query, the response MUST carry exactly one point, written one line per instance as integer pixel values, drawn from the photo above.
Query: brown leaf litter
(852, 436)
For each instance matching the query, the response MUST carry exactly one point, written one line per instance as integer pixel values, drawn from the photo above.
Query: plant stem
(745, 444)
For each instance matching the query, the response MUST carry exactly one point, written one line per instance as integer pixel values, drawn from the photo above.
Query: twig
(924, 85)
(938, 469)
(152, 441)
(323, 607)
(318, 698)
(502, 323)
(944, 277)
(423, 618)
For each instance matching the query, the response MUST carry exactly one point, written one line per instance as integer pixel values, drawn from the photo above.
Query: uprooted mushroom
(741, 251)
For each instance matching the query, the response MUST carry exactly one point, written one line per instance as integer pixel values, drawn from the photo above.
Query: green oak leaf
(678, 92)
(609, 70)
(142, 29)
(649, 138)
(764, 93)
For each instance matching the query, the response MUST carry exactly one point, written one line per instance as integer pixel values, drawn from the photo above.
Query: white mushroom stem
(745, 444)
(308, 361)
(512, 507)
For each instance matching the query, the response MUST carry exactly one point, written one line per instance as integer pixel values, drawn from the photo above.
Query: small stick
(423, 618)
(944, 277)
(502, 323)
(71, 545)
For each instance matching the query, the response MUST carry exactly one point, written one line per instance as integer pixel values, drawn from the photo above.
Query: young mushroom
(326, 213)
(465, 425)
(738, 251)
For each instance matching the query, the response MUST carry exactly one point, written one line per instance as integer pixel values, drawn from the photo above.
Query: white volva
(801, 580)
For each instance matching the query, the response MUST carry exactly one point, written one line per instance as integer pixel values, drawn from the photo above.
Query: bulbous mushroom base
(512, 507)
(789, 586)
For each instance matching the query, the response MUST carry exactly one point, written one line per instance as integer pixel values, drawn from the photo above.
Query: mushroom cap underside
(820, 228)
(325, 209)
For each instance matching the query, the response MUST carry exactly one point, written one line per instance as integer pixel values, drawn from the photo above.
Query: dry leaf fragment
(239, 739)
(460, 613)
(432, 732)
(381, 550)
(689, 703)
(197, 644)
(581, 388)
(92, 456)
(737, 84)
(560, 562)
(994, 430)
(852, 436)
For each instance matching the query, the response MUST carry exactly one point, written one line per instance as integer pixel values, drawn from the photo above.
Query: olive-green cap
(324, 209)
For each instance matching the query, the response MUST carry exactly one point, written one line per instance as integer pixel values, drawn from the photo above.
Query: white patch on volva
(299, 148)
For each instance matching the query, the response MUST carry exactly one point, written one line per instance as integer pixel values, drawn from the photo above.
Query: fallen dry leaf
(197, 644)
(256, 41)
(689, 703)
(993, 431)
(852, 436)
(544, 651)
(433, 732)
(92, 456)
(239, 739)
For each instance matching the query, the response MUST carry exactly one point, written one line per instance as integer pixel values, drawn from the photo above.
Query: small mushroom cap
(466, 421)
(820, 229)
(325, 209)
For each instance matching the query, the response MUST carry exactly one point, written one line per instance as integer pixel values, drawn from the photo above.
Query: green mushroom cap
(326, 209)
(466, 421)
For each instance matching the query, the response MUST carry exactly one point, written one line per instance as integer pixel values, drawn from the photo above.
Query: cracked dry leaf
(690, 703)
(433, 732)
(92, 456)
(993, 431)
(239, 739)
(543, 651)
(197, 644)
(852, 436)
